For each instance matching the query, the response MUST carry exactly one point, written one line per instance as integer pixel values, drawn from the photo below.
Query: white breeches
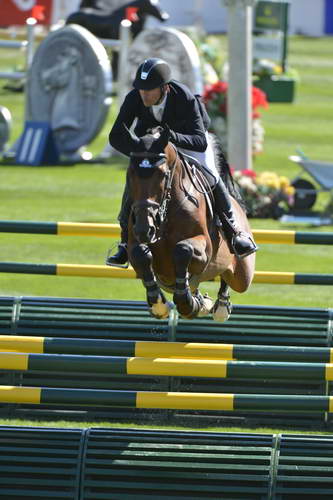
(206, 158)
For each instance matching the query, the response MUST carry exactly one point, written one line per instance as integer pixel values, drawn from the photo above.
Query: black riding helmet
(152, 73)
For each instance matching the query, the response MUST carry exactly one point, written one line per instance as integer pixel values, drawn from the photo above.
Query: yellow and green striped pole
(61, 228)
(154, 349)
(261, 236)
(165, 400)
(268, 277)
(182, 367)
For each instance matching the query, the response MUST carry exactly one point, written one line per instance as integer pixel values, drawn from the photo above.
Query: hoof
(206, 305)
(160, 309)
(222, 309)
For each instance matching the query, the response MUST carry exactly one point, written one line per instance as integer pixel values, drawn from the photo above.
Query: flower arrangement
(266, 194)
(266, 67)
(215, 99)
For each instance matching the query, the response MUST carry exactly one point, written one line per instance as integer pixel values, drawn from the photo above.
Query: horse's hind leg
(222, 307)
(142, 261)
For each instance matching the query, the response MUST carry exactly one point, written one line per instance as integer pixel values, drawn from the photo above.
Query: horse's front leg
(190, 253)
(141, 258)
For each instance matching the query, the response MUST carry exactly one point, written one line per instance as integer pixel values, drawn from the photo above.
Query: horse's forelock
(147, 142)
(153, 142)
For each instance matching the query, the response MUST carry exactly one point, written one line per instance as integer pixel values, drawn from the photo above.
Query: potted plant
(278, 86)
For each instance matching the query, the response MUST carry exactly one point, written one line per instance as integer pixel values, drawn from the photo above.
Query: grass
(134, 425)
(92, 193)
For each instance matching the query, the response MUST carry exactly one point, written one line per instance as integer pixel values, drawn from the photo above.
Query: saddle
(200, 178)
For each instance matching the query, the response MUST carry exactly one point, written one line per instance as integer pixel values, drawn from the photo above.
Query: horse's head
(150, 182)
(146, 8)
(152, 8)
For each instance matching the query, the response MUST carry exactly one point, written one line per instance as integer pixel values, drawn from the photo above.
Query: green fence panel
(40, 463)
(304, 468)
(77, 318)
(138, 464)
(126, 464)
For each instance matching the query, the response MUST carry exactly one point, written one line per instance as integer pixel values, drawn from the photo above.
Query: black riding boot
(240, 242)
(120, 258)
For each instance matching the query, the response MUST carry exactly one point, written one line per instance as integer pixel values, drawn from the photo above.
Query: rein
(166, 195)
(202, 182)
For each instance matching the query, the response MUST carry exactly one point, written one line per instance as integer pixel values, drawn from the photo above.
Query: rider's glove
(171, 133)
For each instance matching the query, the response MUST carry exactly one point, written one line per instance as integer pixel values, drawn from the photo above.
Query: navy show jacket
(183, 112)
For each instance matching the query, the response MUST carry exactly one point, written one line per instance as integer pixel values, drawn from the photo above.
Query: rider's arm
(189, 133)
(126, 116)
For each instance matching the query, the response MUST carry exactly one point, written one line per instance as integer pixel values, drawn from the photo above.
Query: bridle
(158, 211)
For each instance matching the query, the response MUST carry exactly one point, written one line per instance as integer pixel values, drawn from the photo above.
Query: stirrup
(110, 254)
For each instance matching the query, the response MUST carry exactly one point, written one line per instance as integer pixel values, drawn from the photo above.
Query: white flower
(266, 200)
(258, 133)
(246, 183)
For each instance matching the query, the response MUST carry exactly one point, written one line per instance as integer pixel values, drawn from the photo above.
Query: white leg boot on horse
(223, 306)
(142, 258)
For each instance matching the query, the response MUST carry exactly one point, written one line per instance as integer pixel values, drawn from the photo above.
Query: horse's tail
(223, 168)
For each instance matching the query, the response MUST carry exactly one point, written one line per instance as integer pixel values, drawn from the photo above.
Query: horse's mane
(225, 172)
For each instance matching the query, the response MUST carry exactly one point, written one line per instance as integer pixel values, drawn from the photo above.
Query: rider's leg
(240, 242)
(120, 258)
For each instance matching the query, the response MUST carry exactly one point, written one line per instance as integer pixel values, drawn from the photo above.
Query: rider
(158, 100)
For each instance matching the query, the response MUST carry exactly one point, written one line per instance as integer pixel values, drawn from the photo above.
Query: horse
(105, 24)
(174, 241)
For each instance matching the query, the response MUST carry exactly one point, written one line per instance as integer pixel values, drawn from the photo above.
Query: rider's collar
(158, 109)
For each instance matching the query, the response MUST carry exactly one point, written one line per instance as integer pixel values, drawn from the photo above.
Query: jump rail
(82, 270)
(171, 367)
(119, 328)
(112, 230)
(53, 345)
(165, 400)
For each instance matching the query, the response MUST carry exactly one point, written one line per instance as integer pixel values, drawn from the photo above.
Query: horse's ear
(131, 135)
(153, 8)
